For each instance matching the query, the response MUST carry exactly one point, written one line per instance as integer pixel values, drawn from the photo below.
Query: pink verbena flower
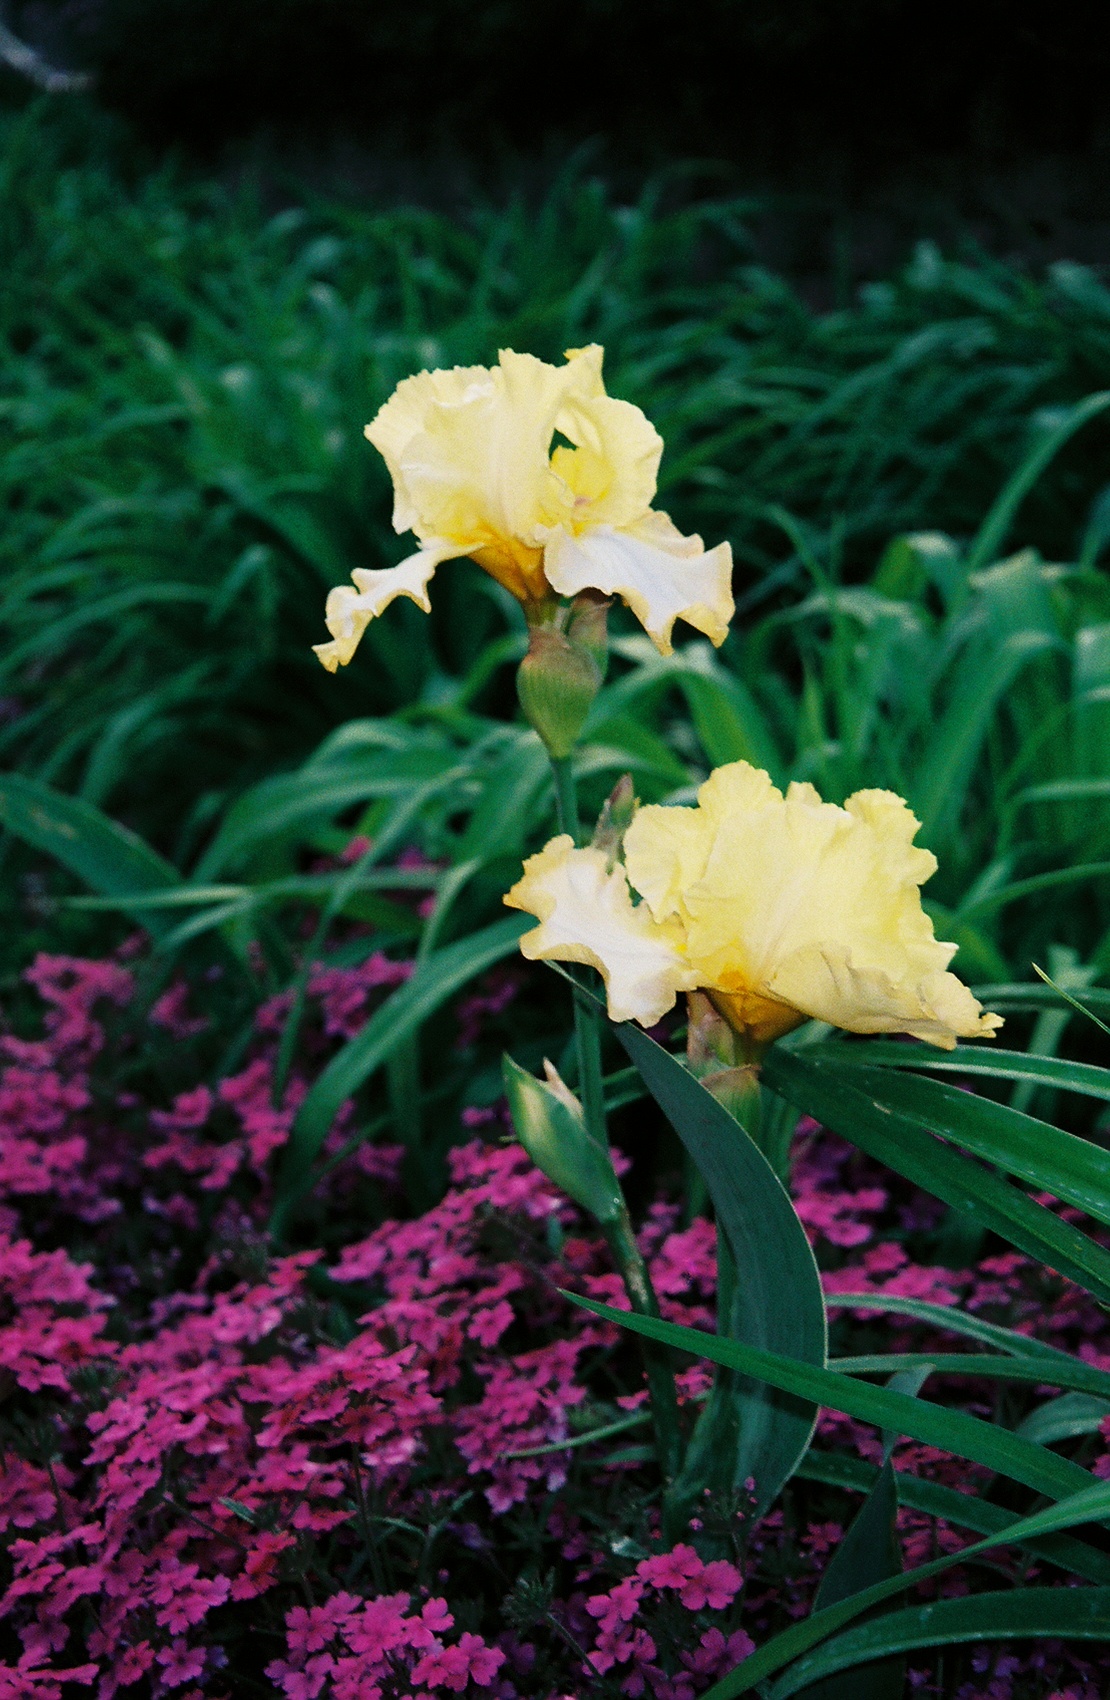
(836, 1216)
(71, 986)
(170, 1012)
(470, 1660)
(182, 1597)
(716, 1587)
(44, 1341)
(715, 1653)
(181, 1663)
(670, 1569)
(697, 1584)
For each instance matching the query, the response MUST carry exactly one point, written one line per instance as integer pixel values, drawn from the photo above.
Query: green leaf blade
(1020, 1613)
(976, 1061)
(1073, 1169)
(114, 861)
(936, 1425)
(902, 1144)
(779, 1303)
(965, 1510)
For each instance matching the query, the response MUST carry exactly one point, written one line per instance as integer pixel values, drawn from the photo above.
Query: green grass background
(186, 369)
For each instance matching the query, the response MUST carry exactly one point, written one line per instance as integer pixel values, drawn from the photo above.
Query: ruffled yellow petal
(586, 364)
(348, 612)
(662, 575)
(613, 469)
(405, 415)
(469, 450)
(586, 915)
(666, 849)
(927, 1004)
(805, 905)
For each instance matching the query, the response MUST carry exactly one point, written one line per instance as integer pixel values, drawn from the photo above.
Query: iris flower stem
(619, 1234)
(566, 795)
(660, 1376)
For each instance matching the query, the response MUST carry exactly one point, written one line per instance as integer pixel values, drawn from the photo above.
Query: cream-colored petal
(585, 366)
(666, 848)
(805, 904)
(348, 612)
(468, 448)
(477, 468)
(832, 986)
(405, 415)
(614, 467)
(665, 851)
(586, 915)
(661, 575)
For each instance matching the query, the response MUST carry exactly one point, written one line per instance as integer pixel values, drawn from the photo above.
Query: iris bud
(557, 681)
(551, 1127)
(615, 819)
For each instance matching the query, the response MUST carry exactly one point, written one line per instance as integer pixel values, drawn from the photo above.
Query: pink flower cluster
(223, 1435)
(436, 1288)
(371, 1649)
(342, 993)
(225, 1443)
(55, 1317)
(45, 1097)
(261, 1129)
(622, 1641)
(62, 1151)
(336, 1467)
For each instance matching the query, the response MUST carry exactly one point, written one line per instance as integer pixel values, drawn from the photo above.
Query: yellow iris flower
(779, 907)
(469, 451)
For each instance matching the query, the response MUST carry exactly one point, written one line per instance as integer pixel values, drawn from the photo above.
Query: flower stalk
(641, 1295)
(618, 1230)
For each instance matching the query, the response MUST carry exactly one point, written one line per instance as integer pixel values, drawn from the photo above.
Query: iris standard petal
(405, 415)
(586, 915)
(804, 904)
(469, 449)
(614, 466)
(662, 575)
(666, 848)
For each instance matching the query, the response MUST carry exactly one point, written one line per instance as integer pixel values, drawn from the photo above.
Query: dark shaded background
(872, 121)
(673, 76)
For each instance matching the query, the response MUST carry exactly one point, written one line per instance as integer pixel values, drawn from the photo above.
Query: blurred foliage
(184, 381)
(185, 375)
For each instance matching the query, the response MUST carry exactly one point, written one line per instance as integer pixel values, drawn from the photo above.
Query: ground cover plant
(322, 1336)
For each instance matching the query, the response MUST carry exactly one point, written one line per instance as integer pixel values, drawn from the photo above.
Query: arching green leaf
(777, 1301)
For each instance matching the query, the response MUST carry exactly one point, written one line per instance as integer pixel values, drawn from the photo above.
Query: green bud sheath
(588, 627)
(556, 683)
(615, 819)
(549, 1124)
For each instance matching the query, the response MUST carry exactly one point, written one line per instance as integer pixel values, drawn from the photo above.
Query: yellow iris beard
(470, 454)
(780, 907)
